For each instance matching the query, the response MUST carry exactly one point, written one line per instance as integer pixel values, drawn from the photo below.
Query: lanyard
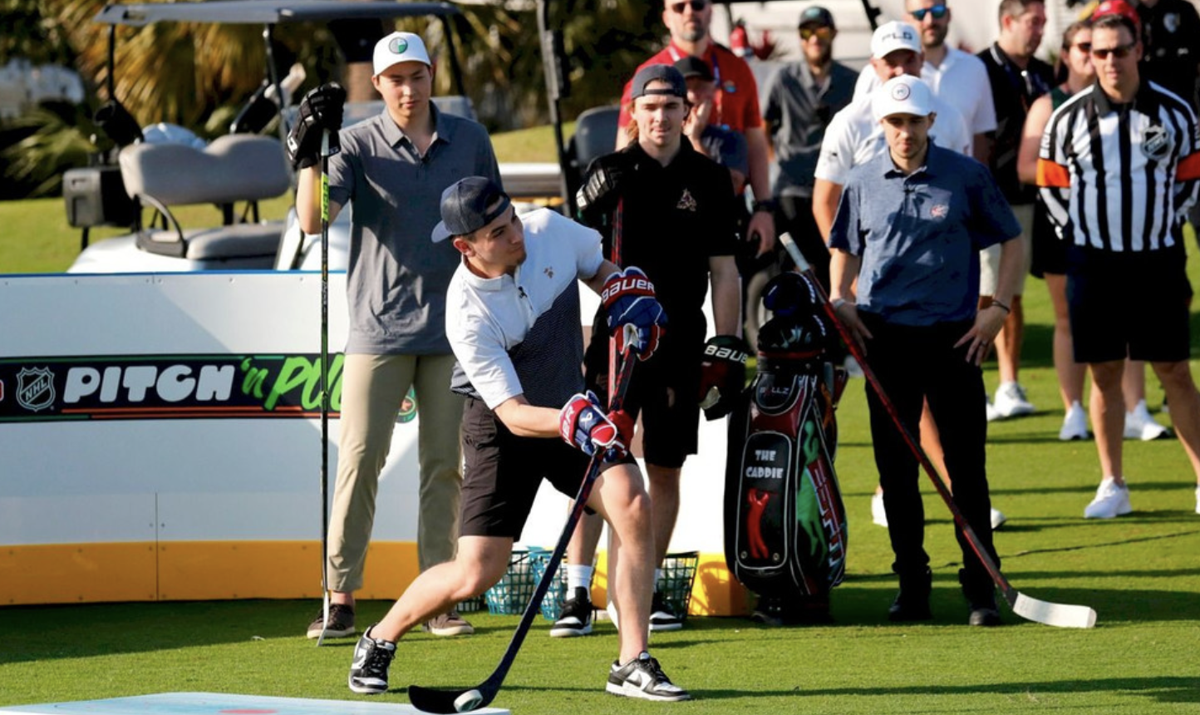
(717, 118)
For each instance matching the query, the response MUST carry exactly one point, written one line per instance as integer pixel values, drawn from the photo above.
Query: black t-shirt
(1013, 91)
(1171, 32)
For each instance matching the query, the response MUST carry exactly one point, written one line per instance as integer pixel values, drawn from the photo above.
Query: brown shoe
(341, 622)
(448, 624)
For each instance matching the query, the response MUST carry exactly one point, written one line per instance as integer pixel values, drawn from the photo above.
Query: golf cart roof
(270, 12)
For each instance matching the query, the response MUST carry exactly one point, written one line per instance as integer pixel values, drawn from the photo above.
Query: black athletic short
(502, 472)
(1049, 251)
(664, 391)
(1129, 303)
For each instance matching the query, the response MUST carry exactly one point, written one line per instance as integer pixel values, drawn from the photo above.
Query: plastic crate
(512, 592)
(553, 602)
(473, 605)
(675, 584)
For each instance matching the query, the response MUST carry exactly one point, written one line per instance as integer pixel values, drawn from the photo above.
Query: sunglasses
(1120, 52)
(696, 5)
(1084, 47)
(938, 12)
(807, 33)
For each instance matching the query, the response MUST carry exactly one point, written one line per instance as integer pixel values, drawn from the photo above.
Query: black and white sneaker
(369, 671)
(576, 618)
(662, 617)
(643, 678)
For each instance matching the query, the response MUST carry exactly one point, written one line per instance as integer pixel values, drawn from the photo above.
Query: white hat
(902, 95)
(894, 36)
(399, 47)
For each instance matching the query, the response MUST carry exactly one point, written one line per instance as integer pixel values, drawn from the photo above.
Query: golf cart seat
(233, 168)
(595, 135)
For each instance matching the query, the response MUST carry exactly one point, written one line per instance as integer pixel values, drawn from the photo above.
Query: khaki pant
(373, 386)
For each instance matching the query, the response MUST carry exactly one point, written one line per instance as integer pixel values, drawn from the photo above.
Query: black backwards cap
(677, 85)
(465, 207)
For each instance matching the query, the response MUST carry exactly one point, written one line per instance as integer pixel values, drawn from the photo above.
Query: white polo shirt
(854, 137)
(522, 334)
(961, 80)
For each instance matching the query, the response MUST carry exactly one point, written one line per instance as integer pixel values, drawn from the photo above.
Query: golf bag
(785, 524)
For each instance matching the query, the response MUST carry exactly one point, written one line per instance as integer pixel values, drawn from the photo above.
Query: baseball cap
(694, 67)
(816, 15)
(1118, 7)
(465, 207)
(902, 95)
(894, 36)
(659, 73)
(399, 47)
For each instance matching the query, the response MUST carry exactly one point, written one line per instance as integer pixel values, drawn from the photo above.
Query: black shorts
(1133, 304)
(663, 390)
(502, 472)
(1049, 252)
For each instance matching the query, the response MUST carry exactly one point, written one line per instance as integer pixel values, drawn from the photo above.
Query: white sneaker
(998, 519)
(1198, 500)
(992, 414)
(1011, 402)
(1140, 424)
(878, 513)
(1075, 424)
(1111, 501)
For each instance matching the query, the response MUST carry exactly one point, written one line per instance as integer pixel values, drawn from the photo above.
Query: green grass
(1141, 573)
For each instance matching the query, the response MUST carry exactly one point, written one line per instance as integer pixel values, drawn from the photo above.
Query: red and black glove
(628, 298)
(722, 374)
(583, 424)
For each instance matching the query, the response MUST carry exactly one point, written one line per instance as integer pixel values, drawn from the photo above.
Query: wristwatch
(767, 205)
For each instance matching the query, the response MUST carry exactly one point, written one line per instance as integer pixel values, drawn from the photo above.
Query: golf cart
(238, 170)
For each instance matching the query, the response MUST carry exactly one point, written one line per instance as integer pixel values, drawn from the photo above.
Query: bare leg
(664, 503)
(1009, 340)
(1185, 406)
(480, 563)
(1071, 375)
(1133, 383)
(1108, 417)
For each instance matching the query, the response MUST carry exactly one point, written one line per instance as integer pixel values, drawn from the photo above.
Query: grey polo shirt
(919, 235)
(796, 113)
(397, 279)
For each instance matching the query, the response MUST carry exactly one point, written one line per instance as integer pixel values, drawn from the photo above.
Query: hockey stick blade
(1051, 614)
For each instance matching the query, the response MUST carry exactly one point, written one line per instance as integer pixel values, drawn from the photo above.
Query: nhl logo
(1156, 143)
(35, 388)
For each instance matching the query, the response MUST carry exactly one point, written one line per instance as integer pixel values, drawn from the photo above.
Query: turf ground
(1141, 573)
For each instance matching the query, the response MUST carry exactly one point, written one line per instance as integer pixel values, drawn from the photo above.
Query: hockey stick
(324, 385)
(1051, 614)
(452, 701)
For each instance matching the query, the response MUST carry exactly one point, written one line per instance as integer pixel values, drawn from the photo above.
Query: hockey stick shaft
(324, 384)
(1041, 611)
(448, 701)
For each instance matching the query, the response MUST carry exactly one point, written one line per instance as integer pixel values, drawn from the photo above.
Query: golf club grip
(972, 538)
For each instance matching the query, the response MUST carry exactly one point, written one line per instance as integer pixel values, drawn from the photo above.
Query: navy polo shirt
(919, 236)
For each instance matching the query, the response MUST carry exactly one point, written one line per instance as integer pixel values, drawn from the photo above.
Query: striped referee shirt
(1120, 177)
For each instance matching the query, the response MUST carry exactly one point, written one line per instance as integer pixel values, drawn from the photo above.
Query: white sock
(578, 577)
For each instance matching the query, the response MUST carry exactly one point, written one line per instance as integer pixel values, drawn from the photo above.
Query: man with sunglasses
(801, 100)
(958, 77)
(1121, 200)
(1017, 79)
(735, 103)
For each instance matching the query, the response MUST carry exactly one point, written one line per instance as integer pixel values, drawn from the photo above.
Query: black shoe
(341, 622)
(576, 618)
(981, 595)
(662, 617)
(643, 678)
(912, 603)
(369, 671)
(984, 615)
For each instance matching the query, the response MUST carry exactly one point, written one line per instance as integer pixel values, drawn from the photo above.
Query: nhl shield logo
(35, 388)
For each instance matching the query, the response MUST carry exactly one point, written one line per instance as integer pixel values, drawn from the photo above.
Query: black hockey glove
(722, 374)
(599, 193)
(320, 110)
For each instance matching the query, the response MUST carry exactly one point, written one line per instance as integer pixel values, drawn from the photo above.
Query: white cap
(891, 37)
(399, 47)
(902, 95)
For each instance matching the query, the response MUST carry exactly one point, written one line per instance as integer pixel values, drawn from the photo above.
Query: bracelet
(838, 302)
(1001, 306)
(765, 205)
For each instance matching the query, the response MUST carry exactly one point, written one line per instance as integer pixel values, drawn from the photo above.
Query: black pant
(914, 364)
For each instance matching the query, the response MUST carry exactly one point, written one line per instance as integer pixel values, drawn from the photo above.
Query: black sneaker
(912, 603)
(369, 671)
(341, 622)
(662, 618)
(576, 618)
(643, 678)
(981, 595)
